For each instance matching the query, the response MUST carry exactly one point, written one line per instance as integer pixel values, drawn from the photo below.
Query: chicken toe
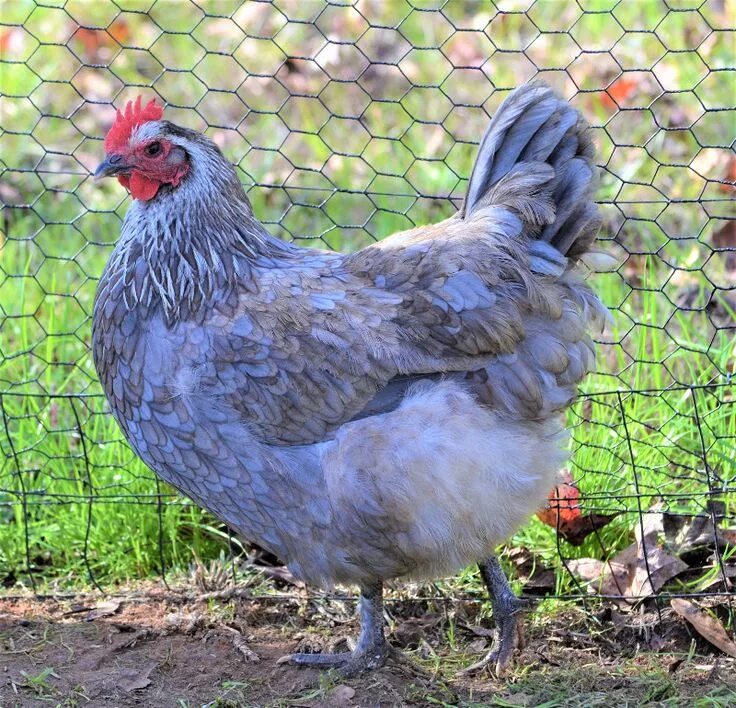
(372, 649)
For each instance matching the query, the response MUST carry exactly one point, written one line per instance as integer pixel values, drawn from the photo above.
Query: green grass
(372, 157)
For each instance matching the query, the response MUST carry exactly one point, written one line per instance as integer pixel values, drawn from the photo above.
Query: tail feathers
(537, 159)
(576, 219)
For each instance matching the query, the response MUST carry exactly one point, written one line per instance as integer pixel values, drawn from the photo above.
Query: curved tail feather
(537, 158)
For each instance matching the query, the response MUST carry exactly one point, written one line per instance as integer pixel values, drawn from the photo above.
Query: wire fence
(349, 121)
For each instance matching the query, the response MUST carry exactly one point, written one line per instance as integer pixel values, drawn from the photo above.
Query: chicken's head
(143, 151)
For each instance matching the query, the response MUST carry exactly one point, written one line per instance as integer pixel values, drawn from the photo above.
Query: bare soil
(158, 649)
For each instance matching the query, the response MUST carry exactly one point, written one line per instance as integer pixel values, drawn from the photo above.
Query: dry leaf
(710, 581)
(479, 631)
(649, 568)
(641, 569)
(131, 680)
(103, 609)
(530, 569)
(563, 503)
(706, 625)
(341, 693)
(685, 533)
(577, 530)
(563, 512)
(605, 577)
(409, 632)
(617, 93)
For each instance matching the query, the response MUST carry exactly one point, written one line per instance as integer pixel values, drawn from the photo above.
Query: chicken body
(393, 412)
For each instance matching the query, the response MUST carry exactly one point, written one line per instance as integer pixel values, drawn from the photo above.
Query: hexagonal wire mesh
(347, 122)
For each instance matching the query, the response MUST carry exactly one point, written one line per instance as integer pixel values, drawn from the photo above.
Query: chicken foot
(372, 649)
(508, 612)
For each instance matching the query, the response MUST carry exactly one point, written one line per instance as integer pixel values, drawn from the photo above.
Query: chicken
(395, 412)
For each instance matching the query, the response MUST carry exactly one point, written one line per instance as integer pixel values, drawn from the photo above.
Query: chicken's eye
(153, 149)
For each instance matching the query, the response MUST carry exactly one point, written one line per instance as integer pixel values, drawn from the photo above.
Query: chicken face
(140, 153)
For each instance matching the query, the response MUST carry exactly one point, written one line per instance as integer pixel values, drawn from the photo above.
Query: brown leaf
(617, 93)
(563, 512)
(724, 241)
(479, 631)
(563, 503)
(685, 533)
(641, 569)
(103, 609)
(411, 631)
(342, 693)
(577, 530)
(706, 626)
(131, 680)
(649, 570)
(605, 577)
(531, 570)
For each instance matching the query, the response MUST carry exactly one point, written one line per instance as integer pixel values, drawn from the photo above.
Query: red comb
(133, 116)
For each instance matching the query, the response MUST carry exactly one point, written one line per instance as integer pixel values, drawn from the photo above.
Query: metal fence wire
(348, 121)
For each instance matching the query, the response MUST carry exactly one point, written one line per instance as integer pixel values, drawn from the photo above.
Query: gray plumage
(391, 412)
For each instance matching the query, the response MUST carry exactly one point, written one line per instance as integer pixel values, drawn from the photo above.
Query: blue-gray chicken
(388, 413)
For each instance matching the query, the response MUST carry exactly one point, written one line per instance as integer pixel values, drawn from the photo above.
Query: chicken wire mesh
(347, 122)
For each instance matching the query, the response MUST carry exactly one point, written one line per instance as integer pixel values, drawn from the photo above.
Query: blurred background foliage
(349, 121)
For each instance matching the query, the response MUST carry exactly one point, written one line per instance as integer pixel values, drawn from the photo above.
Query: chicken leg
(372, 649)
(508, 611)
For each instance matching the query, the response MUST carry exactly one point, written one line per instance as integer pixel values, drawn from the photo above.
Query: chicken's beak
(112, 165)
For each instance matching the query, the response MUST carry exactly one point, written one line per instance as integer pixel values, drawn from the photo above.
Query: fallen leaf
(725, 573)
(577, 530)
(132, 680)
(639, 570)
(563, 513)
(411, 631)
(617, 93)
(724, 240)
(563, 503)
(341, 693)
(103, 609)
(605, 577)
(706, 625)
(729, 176)
(531, 570)
(685, 533)
(650, 567)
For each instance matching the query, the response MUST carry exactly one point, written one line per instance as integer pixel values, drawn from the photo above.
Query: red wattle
(142, 187)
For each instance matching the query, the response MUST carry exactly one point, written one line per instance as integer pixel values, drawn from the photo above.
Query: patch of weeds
(720, 697)
(39, 683)
(327, 681)
(438, 694)
(221, 612)
(76, 699)
(232, 696)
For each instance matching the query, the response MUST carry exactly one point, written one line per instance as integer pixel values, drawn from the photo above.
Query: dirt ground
(158, 649)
